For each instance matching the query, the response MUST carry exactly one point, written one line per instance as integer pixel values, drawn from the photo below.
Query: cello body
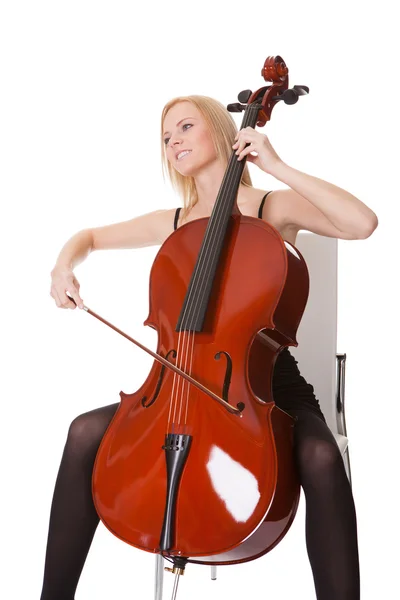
(237, 490)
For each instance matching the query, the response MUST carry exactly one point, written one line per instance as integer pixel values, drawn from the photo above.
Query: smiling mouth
(182, 155)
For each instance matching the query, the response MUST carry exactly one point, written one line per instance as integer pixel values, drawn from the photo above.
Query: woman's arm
(146, 230)
(75, 250)
(311, 203)
(321, 207)
(150, 229)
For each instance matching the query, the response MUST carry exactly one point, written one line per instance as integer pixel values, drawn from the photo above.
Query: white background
(83, 86)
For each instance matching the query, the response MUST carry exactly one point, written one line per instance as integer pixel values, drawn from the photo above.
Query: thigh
(310, 424)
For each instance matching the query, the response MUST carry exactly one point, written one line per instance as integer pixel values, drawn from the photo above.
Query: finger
(78, 300)
(245, 151)
(241, 138)
(56, 297)
(66, 301)
(242, 146)
(74, 298)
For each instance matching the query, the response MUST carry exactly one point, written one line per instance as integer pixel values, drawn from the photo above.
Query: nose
(174, 141)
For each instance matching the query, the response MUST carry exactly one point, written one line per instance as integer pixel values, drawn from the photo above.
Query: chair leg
(346, 459)
(158, 592)
(340, 406)
(213, 572)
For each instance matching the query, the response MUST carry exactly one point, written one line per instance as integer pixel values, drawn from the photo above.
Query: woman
(198, 135)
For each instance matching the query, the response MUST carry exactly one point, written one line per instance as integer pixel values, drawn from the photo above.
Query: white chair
(316, 353)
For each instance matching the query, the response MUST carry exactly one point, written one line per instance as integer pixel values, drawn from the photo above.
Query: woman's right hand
(63, 280)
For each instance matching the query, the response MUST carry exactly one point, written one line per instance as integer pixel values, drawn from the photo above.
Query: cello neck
(193, 312)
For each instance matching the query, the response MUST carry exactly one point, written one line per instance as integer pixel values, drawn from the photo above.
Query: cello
(197, 464)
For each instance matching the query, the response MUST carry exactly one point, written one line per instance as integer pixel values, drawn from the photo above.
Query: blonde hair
(223, 130)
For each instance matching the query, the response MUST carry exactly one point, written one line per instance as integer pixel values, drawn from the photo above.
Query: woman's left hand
(266, 156)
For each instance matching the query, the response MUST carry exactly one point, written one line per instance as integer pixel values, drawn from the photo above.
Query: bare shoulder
(149, 229)
(272, 210)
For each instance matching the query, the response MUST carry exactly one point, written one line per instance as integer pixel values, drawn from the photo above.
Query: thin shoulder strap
(178, 210)
(262, 205)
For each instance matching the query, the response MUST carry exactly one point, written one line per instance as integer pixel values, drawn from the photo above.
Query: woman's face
(186, 130)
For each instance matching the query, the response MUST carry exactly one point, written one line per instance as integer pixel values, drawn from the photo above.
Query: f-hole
(159, 382)
(228, 374)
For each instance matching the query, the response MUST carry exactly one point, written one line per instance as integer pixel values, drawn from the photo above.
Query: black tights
(331, 530)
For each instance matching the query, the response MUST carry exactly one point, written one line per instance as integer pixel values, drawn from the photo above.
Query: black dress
(289, 388)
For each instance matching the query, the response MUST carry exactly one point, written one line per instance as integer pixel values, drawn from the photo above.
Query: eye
(166, 140)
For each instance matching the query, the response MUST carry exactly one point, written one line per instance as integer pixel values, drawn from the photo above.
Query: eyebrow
(165, 132)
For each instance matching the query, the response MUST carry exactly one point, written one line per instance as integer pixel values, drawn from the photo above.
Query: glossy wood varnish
(239, 490)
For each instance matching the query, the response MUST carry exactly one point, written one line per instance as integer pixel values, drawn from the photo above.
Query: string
(187, 336)
(184, 337)
(221, 208)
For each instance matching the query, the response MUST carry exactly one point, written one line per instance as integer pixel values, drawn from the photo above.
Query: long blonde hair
(223, 130)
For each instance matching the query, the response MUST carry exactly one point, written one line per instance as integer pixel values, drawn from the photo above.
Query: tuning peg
(302, 89)
(285, 97)
(291, 95)
(244, 96)
(235, 107)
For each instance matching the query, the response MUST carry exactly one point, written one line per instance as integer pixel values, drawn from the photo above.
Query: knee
(80, 428)
(86, 431)
(317, 458)
(82, 437)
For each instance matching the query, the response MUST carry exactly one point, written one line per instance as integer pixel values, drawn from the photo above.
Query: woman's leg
(73, 518)
(331, 527)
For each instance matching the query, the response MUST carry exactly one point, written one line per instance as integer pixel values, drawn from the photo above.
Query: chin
(188, 170)
(194, 169)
